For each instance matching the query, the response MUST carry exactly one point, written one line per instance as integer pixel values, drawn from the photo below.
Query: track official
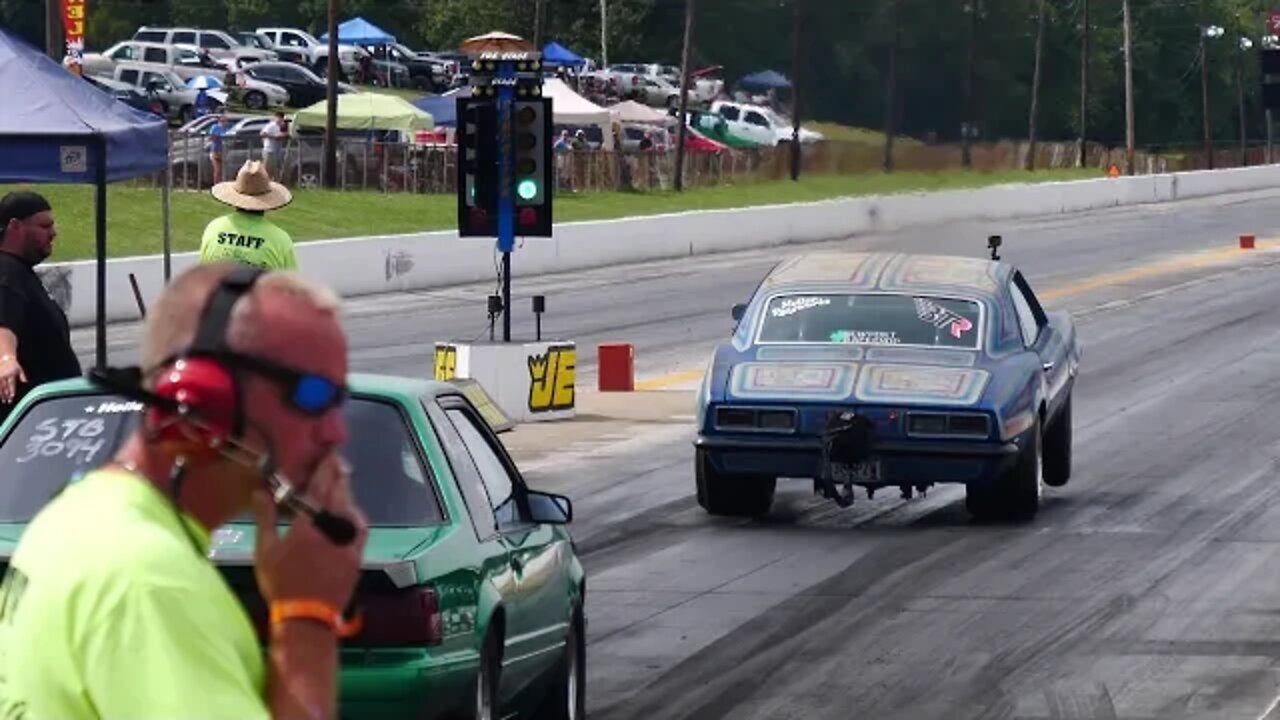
(35, 339)
(246, 235)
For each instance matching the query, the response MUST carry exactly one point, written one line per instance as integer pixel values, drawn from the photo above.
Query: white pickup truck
(316, 53)
(760, 124)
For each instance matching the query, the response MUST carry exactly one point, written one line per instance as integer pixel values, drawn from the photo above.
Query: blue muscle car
(889, 370)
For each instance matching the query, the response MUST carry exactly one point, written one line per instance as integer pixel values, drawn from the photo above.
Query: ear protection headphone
(196, 380)
(196, 408)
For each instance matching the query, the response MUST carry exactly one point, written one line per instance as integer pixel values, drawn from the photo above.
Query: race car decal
(807, 380)
(868, 337)
(792, 305)
(922, 384)
(940, 317)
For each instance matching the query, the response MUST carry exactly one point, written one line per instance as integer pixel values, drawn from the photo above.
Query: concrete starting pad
(528, 381)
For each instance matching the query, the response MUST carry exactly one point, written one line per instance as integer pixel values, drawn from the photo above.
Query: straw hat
(253, 189)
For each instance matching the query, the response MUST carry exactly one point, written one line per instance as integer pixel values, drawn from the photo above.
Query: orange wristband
(283, 610)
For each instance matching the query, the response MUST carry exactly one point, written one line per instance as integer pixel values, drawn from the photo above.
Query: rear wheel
(485, 701)
(734, 495)
(1016, 494)
(566, 698)
(255, 100)
(1057, 449)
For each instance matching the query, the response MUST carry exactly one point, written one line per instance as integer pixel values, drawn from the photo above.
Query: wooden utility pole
(795, 90)
(682, 130)
(604, 33)
(1035, 93)
(891, 89)
(970, 116)
(331, 97)
(1084, 88)
(1128, 90)
(1204, 92)
(53, 30)
(1244, 125)
(539, 15)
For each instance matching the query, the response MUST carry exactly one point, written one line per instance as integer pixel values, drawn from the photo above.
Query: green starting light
(527, 189)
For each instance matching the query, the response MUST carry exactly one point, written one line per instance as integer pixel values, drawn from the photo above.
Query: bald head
(254, 326)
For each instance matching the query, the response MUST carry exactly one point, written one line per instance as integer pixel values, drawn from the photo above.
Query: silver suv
(215, 42)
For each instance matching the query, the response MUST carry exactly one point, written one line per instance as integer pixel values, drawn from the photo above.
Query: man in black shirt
(35, 339)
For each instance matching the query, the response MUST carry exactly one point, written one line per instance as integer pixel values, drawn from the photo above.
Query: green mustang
(472, 594)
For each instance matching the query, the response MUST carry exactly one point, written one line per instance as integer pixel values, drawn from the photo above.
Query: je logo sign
(446, 362)
(551, 379)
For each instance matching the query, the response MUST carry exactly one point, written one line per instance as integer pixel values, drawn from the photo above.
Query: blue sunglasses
(308, 393)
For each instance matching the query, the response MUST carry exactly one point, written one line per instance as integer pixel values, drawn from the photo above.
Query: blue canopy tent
(359, 31)
(557, 54)
(65, 130)
(443, 109)
(765, 80)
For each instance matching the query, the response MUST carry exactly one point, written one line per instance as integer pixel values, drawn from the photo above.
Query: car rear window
(58, 440)
(873, 319)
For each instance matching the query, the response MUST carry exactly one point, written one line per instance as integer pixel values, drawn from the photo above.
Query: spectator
(35, 338)
(112, 609)
(273, 134)
(214, 145)
(246, 235)
(646, 142)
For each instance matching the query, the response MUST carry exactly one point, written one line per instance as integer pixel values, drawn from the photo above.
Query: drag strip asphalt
(1148, 587)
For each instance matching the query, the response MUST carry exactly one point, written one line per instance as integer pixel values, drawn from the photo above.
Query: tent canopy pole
(100, 225)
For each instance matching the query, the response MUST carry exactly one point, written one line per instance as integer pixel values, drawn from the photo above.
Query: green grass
(134, 223)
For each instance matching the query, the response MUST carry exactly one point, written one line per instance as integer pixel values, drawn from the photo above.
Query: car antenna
(993, 242)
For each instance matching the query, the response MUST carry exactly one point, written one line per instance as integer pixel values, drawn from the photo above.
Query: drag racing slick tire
(734, 495)
(1015, 495)
(1057, 448)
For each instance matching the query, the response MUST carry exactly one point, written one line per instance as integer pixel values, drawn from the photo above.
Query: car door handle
(1047, 366)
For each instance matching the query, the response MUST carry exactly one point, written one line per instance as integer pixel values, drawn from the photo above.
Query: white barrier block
(530, 381)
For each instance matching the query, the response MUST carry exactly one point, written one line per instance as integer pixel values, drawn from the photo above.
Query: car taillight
(398, 619)
(973, 425)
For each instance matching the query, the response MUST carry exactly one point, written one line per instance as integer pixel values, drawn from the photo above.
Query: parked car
(883, 370)
(178, 100)
(127, 94)
(215, 42)
(305, 88)
(315, 53)
(186, 62)
(422, 71)
(472, 595)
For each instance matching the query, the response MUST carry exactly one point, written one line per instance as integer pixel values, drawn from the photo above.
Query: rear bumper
(402, 683)
(900, 462)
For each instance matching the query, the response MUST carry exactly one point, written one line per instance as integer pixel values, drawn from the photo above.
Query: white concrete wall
(428, 260)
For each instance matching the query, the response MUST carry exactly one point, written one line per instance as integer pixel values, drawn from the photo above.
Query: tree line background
(845, 52)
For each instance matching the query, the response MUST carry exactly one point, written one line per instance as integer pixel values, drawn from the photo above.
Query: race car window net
(871, 319)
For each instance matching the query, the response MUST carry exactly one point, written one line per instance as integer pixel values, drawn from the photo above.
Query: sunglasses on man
(308, 393)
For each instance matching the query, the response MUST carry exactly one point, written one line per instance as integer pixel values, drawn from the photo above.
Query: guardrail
(430, 260)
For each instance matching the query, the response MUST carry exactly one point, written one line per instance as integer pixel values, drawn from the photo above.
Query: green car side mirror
(549, 509)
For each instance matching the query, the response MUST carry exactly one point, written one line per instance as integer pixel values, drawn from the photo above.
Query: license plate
(860, 472)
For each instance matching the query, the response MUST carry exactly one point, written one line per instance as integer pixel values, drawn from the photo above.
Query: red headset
(205, 397)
